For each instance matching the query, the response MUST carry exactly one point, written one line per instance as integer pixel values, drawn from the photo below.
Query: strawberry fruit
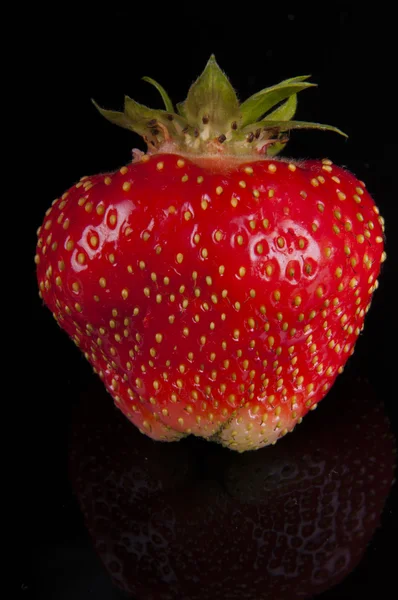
(215, 289)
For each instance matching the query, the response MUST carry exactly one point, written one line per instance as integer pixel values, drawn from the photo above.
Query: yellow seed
(126, 186)
(353, 282)
(219, 190)
(180, 257)
(272, 168)
(297, 300)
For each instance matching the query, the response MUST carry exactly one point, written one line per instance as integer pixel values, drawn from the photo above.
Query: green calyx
(212, 121)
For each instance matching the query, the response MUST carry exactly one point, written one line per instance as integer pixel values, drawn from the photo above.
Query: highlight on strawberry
(216, 290)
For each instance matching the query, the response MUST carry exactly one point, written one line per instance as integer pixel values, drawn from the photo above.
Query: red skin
(302, 294)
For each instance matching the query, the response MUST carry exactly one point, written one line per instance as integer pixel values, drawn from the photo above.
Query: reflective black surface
(104, 512)
(197, 521)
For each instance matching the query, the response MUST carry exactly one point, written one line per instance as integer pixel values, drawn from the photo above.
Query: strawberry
(215, 289)
(289, 522)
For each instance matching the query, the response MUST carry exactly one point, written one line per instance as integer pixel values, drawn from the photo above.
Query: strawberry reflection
(196, 521)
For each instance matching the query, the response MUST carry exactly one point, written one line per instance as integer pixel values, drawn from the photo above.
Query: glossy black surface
(72, 56)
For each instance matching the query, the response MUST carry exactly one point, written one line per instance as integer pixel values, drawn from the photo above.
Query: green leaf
(288, 125)
(165, 97)
(295, 79)
(275, 149)
(115, 117)
(211, 100)
(181, 109)
(140, 115)
(285, 111)
(257, 105)
(135, 117)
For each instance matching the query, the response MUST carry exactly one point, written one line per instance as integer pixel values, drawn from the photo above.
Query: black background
(72, 55)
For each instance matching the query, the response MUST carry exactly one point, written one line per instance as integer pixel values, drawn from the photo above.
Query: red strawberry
(215, 290)
(288, 522)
